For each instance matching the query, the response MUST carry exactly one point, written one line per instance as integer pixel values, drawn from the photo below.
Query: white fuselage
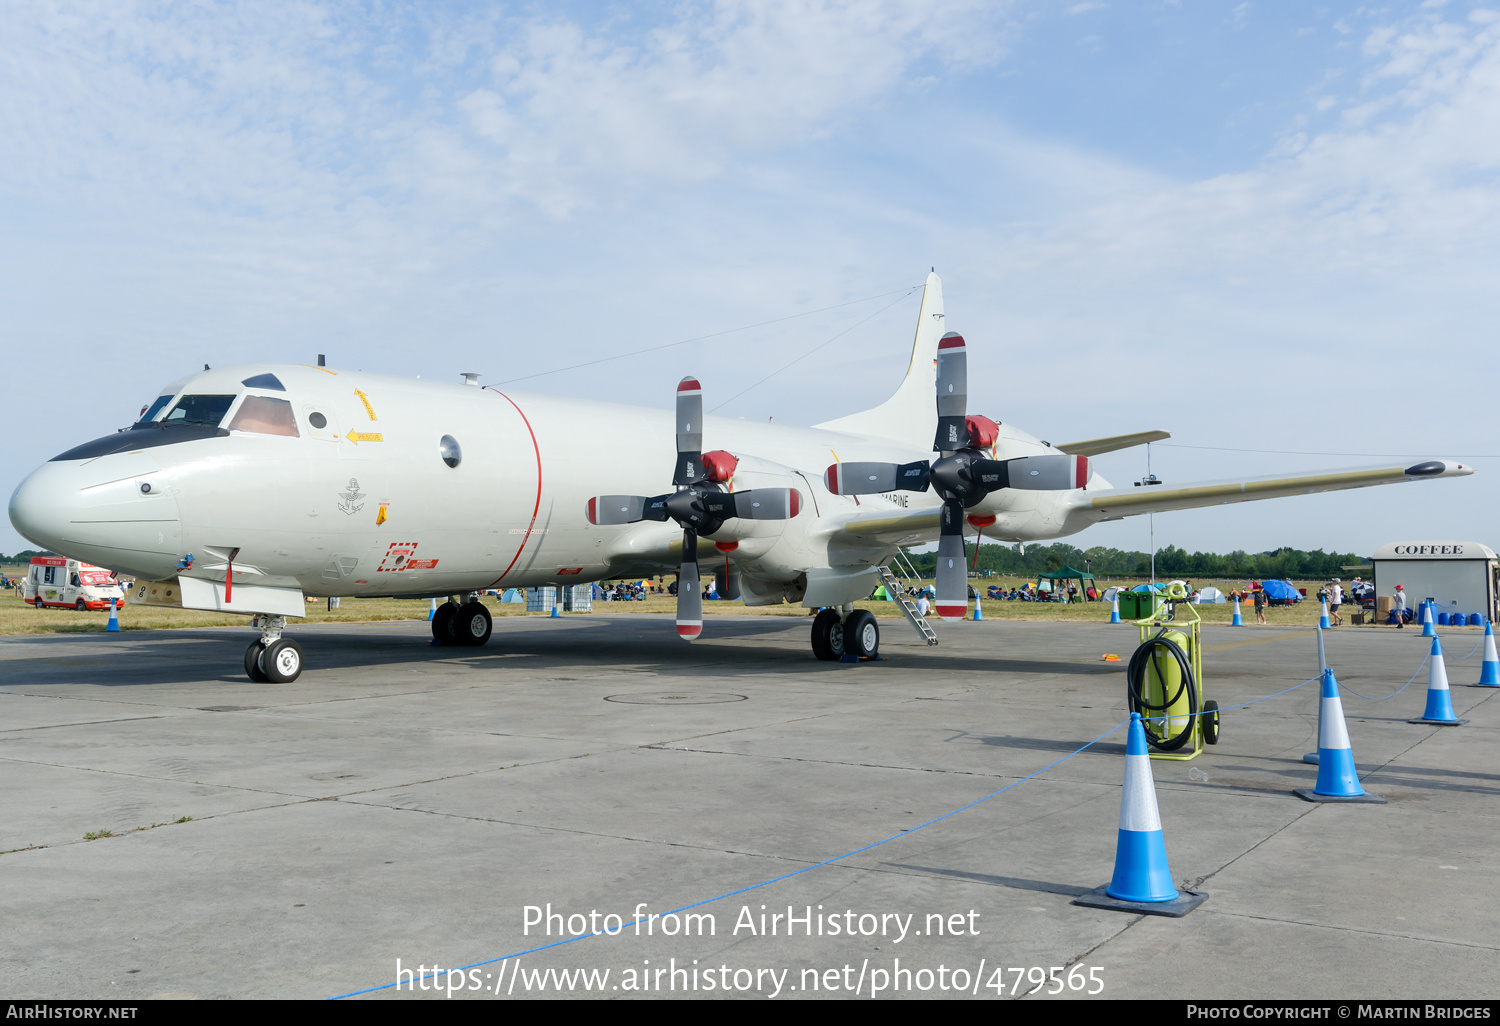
(366, 505)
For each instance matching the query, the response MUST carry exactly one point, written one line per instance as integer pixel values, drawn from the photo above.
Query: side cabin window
(263, 416)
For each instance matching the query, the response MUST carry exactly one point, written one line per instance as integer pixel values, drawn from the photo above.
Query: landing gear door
(320, 422)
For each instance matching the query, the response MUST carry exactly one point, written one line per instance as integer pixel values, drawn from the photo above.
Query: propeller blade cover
(609, 510)
(1049, 473)
(952, 568)
(870, 478)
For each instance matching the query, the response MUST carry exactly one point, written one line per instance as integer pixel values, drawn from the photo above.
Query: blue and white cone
(1439, 709)
(978, 613)
(1337, 779)
(1141, 872)
(1489, 672)
(1237, 622)
(1429, 628)
(1114, 609)
(114, 617)
(1142, 881)
(432, 610)
(1323, 620)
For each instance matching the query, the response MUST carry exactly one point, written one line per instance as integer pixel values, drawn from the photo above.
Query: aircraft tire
(828, 636)
(252, 663)
(862, 634)
(281, 661)
(441, 622)
(470, 625)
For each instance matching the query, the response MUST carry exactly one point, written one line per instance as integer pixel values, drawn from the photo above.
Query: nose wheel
(271, 658)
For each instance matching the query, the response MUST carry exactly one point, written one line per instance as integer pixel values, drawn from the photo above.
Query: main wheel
(1210, 721)
(281, 661)
(252, 663)
(470, 625)
(862, 634)
(828, 635)
(440, 621)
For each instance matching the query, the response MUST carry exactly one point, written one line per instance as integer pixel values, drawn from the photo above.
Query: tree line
(24, 557)
(1171, 562)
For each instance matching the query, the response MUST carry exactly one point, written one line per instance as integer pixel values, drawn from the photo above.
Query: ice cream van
(61, 582)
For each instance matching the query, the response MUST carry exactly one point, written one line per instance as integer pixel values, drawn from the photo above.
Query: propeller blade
(765, 504)
(1048, 473)
(869, 478)
(609, 510)
(952, 394)
(952, 573)
(689, 598)
(689, 469)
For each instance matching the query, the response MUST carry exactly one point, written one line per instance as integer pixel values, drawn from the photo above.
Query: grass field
(16, 617)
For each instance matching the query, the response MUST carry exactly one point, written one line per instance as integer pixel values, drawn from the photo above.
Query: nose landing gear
(467, 624)
(271, 658)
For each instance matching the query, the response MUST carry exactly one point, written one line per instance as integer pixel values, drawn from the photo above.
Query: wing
(1117, 503)
(1095, 446)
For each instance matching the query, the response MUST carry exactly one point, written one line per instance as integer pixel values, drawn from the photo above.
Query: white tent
(1210, 595)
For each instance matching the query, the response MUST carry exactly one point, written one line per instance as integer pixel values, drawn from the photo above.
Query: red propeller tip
(689, 385)
(951, 341)
(952, 612)
(689, 631)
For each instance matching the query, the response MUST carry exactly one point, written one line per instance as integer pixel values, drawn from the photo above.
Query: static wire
(903, 293)
(877, 844)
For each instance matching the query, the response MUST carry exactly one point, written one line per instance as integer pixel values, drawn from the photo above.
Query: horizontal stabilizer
(1094, 446)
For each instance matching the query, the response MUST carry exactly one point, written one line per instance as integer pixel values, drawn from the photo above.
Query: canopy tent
(1067, 573)
(1280, 591)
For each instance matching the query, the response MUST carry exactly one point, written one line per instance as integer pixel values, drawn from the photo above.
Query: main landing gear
(847, 631)
(467, 623)
(272, 659)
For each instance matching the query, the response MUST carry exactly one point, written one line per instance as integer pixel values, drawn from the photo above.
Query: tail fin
(909, 416)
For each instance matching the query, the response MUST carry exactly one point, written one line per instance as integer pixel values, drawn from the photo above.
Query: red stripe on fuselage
(538, 505)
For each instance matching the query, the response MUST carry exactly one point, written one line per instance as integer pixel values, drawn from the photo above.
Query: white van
(61, 583)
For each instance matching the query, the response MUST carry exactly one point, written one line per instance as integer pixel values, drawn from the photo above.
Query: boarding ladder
(897, 592)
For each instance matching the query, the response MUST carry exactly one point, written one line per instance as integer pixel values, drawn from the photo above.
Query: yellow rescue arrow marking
(363, 436)
(366, 400)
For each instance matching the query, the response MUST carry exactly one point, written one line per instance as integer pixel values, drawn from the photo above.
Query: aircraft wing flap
(1095, 446)
(1119, 503)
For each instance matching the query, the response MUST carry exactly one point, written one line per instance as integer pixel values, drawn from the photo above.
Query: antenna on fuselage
(205, 366)
(321, 362)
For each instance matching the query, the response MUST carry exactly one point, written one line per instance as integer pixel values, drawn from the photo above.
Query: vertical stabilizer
(909, 416)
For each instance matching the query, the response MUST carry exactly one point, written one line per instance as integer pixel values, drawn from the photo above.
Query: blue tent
(1280, 591)
(1143, 588)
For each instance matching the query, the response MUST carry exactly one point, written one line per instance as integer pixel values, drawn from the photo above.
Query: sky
(1270, 229)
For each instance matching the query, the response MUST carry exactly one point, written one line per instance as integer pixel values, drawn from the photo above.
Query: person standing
(1260, 604)
(1336, 599)
(1398, 606)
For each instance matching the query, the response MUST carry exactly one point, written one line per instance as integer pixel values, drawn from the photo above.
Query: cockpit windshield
(149, 414)
(263, 415)
(203, 410)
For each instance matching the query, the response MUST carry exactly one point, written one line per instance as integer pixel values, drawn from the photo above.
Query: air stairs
(896, 589)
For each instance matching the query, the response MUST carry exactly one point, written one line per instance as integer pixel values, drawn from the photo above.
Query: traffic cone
(556, 603)
(1114, 609)
(432, 610)
(1337, 779)
(1142, 880)
(978, 613)
(1489, 672)
(114, 618)
(1237, 622)
(1429, 629)
(1323, 620)
(1439, 709)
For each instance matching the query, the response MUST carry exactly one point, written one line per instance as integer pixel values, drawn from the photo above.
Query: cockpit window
(149, 414)
(264, 416)
(266, 381)
(205, 410)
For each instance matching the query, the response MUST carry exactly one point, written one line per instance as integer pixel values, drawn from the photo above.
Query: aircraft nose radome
(38, 507)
